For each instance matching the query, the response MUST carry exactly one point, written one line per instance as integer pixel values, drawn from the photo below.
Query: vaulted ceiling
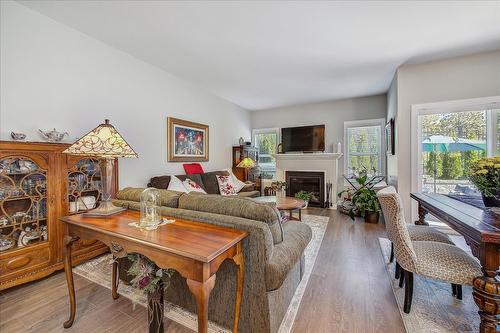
(263, 54)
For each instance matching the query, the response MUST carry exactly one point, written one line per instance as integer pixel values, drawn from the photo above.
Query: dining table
(480, 226)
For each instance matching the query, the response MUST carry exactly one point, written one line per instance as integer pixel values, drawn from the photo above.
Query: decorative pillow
(176, 185)
(238, 184)
(192, 186)
(192, 168)
(226, 186)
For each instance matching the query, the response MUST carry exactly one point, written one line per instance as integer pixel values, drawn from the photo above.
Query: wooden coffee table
(285, 204)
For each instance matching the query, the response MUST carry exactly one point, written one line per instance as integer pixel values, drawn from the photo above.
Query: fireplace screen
(308, 181)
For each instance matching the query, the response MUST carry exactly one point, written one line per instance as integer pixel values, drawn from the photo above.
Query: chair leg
(391, 259)
(402, 277)
(398, 271)
(408, 291)
(459, 291)
(453, 289)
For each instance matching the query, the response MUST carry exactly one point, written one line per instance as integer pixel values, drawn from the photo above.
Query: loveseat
(273, 254)
(207, 181)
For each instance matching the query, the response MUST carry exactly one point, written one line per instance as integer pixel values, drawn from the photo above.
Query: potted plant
(279, 188)
(485, 175)
(303, 195)
(361, 199)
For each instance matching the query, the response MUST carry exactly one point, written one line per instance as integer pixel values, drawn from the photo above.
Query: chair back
(397, 231)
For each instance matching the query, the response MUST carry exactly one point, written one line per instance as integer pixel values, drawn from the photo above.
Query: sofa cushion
(250, 194)
(163, 181)
(287, 253)
(209, 181)
(167, 198)
(159, 182)
(238, 207)
(193, 168)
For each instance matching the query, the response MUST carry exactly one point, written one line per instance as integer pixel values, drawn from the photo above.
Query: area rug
(434, 309)
(98, 271)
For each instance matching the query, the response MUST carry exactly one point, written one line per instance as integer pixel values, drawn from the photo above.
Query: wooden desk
(195, 250)
(481, 230)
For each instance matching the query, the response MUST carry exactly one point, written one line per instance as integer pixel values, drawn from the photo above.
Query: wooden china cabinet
(38, 185)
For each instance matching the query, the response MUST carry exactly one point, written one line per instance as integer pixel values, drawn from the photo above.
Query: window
(363, 145)
(266, 140)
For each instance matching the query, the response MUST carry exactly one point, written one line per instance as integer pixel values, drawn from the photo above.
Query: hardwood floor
(348, 291)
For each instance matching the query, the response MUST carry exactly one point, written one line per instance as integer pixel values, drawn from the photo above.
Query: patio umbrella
(443, 144)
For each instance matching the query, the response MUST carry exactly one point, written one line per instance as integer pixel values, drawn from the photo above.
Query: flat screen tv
(304, 138)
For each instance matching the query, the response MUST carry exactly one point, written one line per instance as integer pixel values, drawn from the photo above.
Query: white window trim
(473, 104)
(361, 123)
(265, 131)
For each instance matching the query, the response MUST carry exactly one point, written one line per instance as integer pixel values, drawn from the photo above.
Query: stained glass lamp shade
(246, 163)
(104, 142)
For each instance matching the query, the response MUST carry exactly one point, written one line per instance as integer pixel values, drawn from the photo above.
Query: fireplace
(309, 181)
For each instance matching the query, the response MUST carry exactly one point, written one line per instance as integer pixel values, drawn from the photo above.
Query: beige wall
(54, 76)
(445, 80)
(331, 113)
(392, 108)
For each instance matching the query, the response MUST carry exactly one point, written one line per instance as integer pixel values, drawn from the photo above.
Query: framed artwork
(186, 141)
(389, 137)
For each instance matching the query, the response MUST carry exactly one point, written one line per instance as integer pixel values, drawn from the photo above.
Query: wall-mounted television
(303, 138)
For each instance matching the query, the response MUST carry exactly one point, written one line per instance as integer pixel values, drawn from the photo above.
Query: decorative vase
(372, 217)
(491, 201)
(307, 203)
(280, 193)
(156, 309)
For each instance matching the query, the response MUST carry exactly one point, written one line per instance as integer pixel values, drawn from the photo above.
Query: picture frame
(187, 141)
(389, 137)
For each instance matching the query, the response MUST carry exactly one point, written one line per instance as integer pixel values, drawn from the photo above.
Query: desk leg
(201, 292)
(422, 212)
(156, 309)
(238, 260)
(68, 270)
(115, 280)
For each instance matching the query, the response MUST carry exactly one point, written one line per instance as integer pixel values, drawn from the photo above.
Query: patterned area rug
(99, 271)
(434, 309)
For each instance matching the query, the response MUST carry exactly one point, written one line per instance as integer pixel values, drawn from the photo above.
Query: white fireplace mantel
(308, 156)
(321, 162)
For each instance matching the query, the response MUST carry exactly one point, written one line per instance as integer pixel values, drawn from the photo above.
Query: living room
(179, 166)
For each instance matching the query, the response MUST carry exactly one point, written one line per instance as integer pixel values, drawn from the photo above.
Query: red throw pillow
(193, 168)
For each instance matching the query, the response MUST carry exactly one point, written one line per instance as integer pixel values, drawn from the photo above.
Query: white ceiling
(267, 54)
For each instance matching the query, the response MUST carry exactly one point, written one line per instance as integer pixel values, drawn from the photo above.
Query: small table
(285, 204)
(195, 250)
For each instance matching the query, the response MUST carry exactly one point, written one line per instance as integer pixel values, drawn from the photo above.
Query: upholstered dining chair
(417, 233)
(435, 260)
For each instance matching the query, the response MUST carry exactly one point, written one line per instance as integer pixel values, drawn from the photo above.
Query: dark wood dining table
(481, 230)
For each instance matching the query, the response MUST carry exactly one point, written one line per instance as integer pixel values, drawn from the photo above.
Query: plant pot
(491, 201)
(307, 203)
(372, 217)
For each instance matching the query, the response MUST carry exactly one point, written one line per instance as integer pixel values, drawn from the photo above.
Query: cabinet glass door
(84, 185)
(23, 203)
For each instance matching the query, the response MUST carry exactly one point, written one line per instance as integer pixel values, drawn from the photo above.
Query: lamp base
(105, 209)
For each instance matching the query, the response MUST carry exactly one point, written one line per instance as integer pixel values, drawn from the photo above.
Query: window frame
(272, 130)
(366, 123)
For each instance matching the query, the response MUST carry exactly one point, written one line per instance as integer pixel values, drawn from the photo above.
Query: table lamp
(106, 143)
(247, 163)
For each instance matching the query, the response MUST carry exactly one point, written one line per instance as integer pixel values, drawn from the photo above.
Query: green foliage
(451, 166)
(364, 199)
(267, 143)
(303, 195)
(485, 175)
(146, 275)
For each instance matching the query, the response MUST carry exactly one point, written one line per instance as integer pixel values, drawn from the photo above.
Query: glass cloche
(150, 209)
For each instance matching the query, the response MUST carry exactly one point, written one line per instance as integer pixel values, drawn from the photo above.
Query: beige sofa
(274, 257)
